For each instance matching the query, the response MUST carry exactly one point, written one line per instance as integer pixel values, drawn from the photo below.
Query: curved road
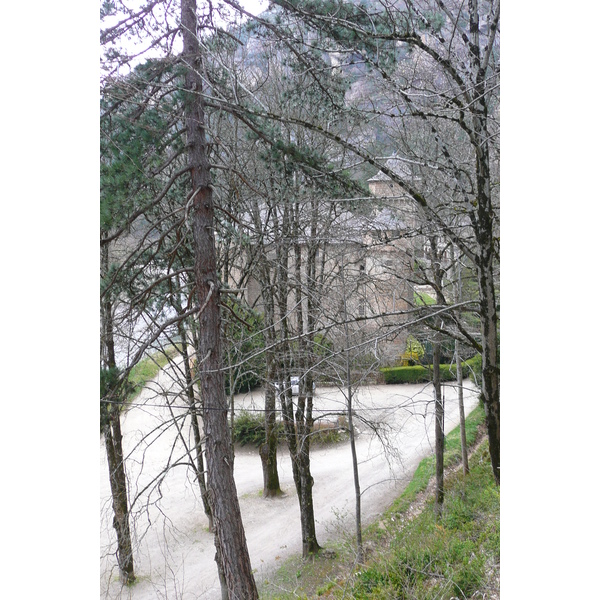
(174, 553)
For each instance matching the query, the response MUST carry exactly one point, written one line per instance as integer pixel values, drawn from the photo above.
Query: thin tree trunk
(304, 420)
(268, 450)
(437, 383)
(461, 410)
(230, 539)
(357, 494)
(113, 441)
(189, 385)
(439, 430)
(118, 486)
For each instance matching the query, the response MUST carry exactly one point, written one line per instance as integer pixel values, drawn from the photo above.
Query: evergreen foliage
(245, 341)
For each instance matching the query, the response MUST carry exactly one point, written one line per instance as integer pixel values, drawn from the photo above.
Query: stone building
(364, 274)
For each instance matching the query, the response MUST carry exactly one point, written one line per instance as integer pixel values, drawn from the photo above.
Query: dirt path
(174, 556)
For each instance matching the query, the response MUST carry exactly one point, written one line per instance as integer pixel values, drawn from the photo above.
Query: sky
(255, 6)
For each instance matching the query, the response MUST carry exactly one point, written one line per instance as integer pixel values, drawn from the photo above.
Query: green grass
(423, 299)
(452, 455)
(147, 369)
(419, 559)
(446, 557)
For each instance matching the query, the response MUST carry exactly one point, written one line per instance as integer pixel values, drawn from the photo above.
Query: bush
(422, 374)
(249, 428)
(413, 354)
(416, 374)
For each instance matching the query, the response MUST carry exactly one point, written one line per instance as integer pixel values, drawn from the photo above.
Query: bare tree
(456, 45)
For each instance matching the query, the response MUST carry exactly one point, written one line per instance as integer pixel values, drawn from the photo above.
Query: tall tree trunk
(304, 418)
(230, 539)
(491, 370)
(485, 240)
(436, 264)
(113, 441)
(268, 450)
(459, 367)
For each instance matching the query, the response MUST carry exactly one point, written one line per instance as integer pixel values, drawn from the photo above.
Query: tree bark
(357, 493)
(268, 450)
(439, 430)
(189, 384)
(461, 411)
(118, 486)
(436, 266)
(484, 233)
(114, 450)
(230, 539)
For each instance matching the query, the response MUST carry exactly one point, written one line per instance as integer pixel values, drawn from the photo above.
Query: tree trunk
(461, 410)
(297, 432)
(485, 239)
(118, 486)
(357, 494)
(439, 430)
(304, 423)
(189, 385)
(491, 374)
(230, 539)
(114, 449)
(436, 262)
(303, 415)
(268, 450)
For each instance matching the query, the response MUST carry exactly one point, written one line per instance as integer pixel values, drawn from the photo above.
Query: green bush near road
(249, 428)
(423, 374)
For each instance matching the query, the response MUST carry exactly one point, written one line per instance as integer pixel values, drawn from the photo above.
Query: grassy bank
(147, 369)
(409, 553)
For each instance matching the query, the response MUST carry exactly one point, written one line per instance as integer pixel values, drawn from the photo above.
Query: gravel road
(174, 553)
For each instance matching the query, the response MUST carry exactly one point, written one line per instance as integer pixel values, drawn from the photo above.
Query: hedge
(421, 374)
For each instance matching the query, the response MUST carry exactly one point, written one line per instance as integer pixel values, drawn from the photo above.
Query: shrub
(329, 433)
(423, 374)
(416, 374)
(249, 428)
(413, 354)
